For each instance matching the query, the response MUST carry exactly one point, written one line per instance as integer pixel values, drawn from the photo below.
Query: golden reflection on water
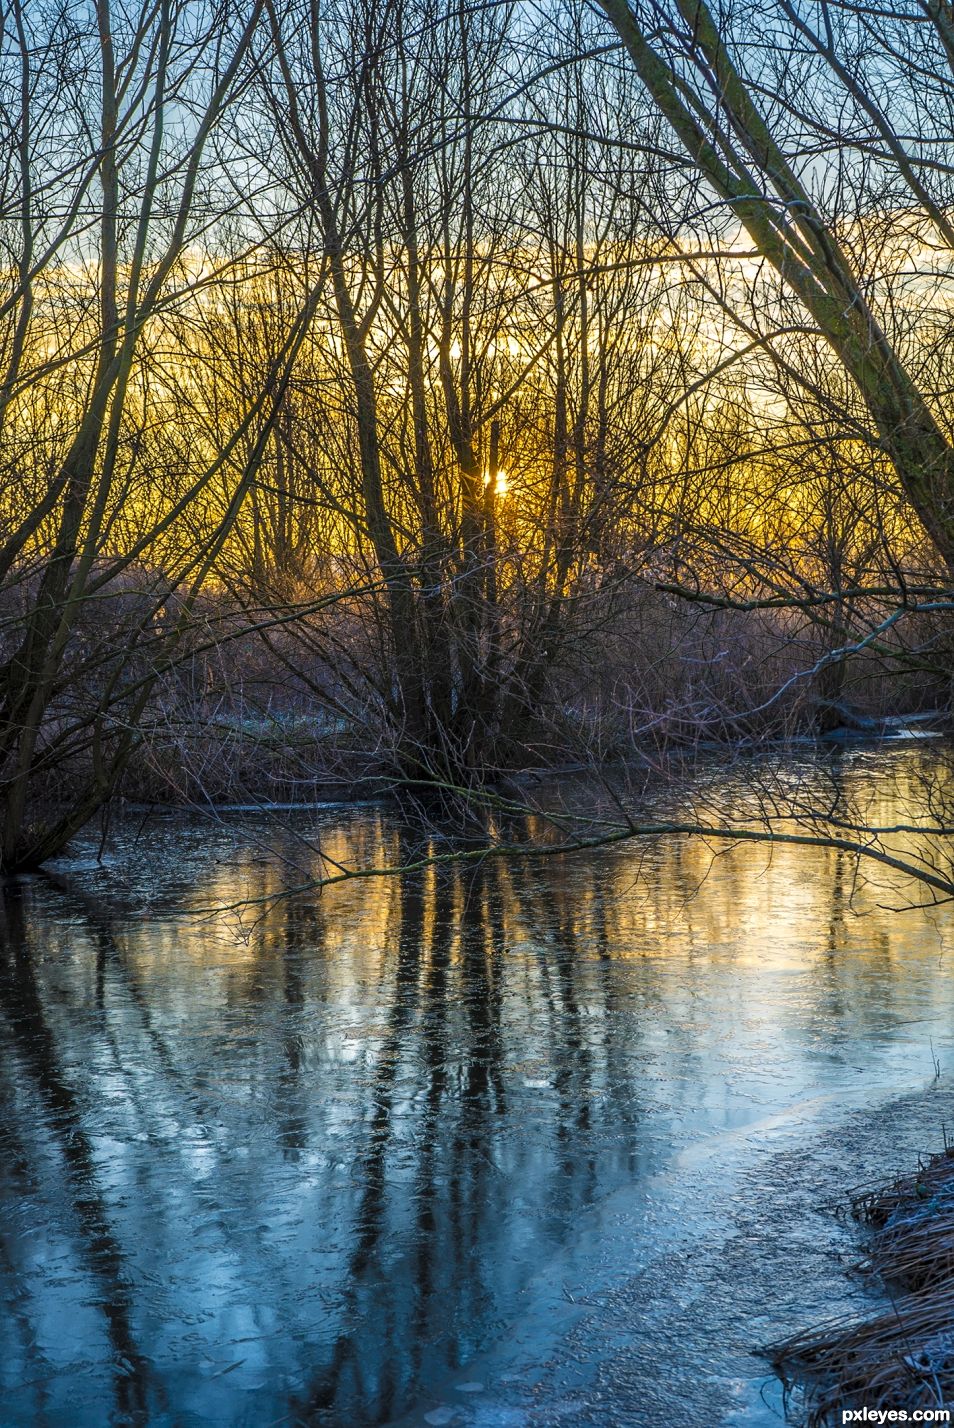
(676, 897)
(327, 1138)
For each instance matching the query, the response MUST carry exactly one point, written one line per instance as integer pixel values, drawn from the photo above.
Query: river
(517, 1143)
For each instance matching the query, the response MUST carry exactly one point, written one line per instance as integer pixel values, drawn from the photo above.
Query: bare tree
(794, 136)
(491, 267)
(110, 216)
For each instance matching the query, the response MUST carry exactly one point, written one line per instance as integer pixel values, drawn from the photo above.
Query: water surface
(313, 1159)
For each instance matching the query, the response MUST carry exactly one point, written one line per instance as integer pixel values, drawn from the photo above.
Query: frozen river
(517, 1144)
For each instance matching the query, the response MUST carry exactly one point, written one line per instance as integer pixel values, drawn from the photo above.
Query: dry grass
(913, 1219)
(903, 1358)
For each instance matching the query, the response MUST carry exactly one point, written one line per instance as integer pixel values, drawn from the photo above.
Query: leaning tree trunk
(739, 157)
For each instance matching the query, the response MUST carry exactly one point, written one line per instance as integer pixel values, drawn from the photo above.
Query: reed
(902, 1358)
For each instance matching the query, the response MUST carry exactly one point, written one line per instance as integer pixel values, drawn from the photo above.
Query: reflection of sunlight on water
(315, 1155)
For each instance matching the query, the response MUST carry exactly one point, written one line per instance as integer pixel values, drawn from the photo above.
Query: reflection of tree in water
(301, 933)
(36, 1053)
(361, 1371)
(347, 1138)
(433, 1172)
(473, 1069)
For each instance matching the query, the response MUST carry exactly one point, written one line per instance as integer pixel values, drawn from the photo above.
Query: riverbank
(285, 757)
(744, 1240)
(902, 1358)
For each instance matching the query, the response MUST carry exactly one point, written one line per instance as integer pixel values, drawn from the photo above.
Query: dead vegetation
(902, 1358)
